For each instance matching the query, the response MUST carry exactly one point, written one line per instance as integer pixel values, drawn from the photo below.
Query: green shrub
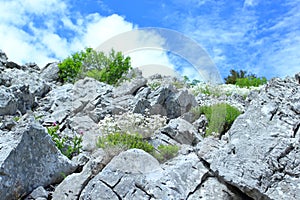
(16, 119)
(220, 117)
(117, 142)
(231, 79)
(127, 140)
(108, 69)
(166, 152)
(154, 85)
(70, 67)
(250, 81)
(188, 82)
(61, 142)
(241, 79)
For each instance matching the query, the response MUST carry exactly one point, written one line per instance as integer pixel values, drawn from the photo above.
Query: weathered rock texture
(258, 158)
(28, 159)
(134, 174)
(262, 157)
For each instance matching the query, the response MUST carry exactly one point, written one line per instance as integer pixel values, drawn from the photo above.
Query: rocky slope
(258, 158)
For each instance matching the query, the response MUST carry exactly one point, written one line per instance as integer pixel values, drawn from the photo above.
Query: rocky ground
(258, 158)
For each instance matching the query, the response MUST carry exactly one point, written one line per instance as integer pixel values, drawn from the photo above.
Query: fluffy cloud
(249, 36)
(31, 30)
(35, 32)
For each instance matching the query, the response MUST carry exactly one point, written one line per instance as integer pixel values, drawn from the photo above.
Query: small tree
(231, 79)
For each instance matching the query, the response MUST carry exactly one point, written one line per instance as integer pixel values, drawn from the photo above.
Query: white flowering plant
(132, 123)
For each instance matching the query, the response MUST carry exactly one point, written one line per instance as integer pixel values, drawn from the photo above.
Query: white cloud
(46, 38)
(249, 37)
(250, 3)
(33, 31)
(99, 29)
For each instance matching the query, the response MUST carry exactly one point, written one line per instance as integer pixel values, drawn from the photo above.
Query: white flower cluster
(222, 89)
(132, 123)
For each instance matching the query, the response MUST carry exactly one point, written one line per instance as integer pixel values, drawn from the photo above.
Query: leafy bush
(188, 82)
(154, 85)
(250, 81)
(166, 152)
(16, 119)
(129, 141)
(242, 80)
(108, 69)
(70, 67)
(220, 117)
(231, 79)
(61, 142)
(116, 142)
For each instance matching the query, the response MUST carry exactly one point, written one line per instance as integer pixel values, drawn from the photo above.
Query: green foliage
(188, 82)
(166, 152)
(16, 119)
(129, 141)
(74, 148)
(250, 81)
(242, 80)
(70, 67)
(194, 82)
(231, 79)
(108, 69)
(220, 117)
(154, 85)
(61, 142)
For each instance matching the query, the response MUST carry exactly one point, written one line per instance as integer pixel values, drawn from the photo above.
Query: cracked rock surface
(258, 158)
(262, 156)
(135, 174)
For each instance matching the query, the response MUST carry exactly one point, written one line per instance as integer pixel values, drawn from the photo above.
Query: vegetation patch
(166, 152)
(220, 117)
(118, 142)
(66, 146)
(109, 68)
(241, 79)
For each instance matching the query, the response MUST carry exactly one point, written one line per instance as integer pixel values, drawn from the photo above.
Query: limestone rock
(3, 59)
(28, 159)
(212, 189)
(181, 131)
(262, 154)
(67, 190)
(38, 194)
(165, 100)
(129, 87)
(297, 77)
(50, 72)
(25, 77)
(15, 99)
(134, 174)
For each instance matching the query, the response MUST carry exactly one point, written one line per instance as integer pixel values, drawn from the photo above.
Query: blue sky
(259, 36)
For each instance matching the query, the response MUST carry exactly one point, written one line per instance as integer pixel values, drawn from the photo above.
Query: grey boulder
(262, 155)
(135, 174)
(28, 159)
(15, 99)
